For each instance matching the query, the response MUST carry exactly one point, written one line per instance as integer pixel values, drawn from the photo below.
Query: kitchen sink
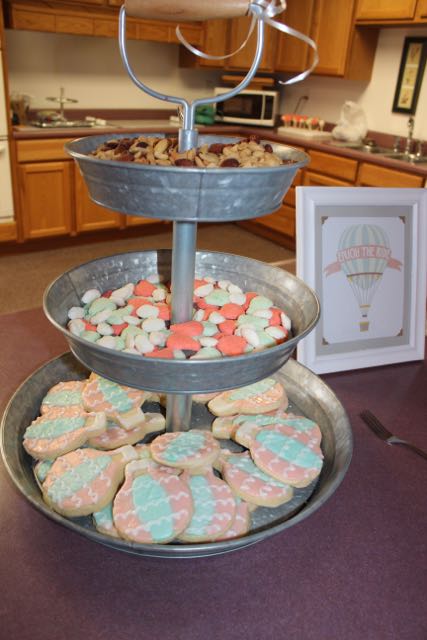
(368, 147)
(405, 157)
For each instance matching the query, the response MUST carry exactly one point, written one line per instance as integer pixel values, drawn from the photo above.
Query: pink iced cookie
(86, 480)
(247, 481)
(52, 434)
(241, 523)
(214, 507)
(288, 459)
(115, 436)
(152, 506)
(64, 394)
(260, 397)
(185, 449)
(121, 404)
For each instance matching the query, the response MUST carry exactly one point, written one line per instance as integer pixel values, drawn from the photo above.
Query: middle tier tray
(182, 376)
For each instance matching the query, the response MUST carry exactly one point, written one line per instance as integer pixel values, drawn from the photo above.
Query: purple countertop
(354, 570)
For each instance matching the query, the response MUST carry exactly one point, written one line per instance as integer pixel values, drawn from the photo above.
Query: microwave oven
(251, 106)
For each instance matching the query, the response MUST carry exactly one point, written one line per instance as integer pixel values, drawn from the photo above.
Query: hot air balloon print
(363, 254)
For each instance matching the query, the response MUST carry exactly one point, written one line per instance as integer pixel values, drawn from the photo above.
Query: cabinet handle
(186, 10)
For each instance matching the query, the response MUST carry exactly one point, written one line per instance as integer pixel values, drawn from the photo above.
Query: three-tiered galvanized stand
(187, 196)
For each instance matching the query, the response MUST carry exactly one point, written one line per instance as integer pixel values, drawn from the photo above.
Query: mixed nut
(249, 152)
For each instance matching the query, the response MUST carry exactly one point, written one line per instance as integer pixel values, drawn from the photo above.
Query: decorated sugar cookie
(152, 506)
(248, 482)
(121, 404)
(241, 523)
(288, 459)
(86, 480)
(52, 435)
(115, 436)
(103, 521)
(63, 394)
(185, 449)
(298, 426)
(260, 397)
(214, 507)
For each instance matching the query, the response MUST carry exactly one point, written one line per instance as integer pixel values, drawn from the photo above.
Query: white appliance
(6, 194)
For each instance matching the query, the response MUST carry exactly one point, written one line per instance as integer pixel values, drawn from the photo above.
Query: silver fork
(382, 432)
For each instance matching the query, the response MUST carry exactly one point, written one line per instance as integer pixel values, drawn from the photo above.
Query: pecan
(268, 148)
(216, 147)
(184, 162)
(126, 157)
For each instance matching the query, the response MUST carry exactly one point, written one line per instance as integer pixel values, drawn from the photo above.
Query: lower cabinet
(91, 216)
(45, 199)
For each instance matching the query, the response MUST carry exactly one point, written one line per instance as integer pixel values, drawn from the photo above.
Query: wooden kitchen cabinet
(333, 165)
(312, 179)
(89, 215)
(45, 196)
(215, 43)
(293, 54)
(397, 12)
(239, 28)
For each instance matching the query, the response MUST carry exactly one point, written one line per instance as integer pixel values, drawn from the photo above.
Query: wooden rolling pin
(186, 10)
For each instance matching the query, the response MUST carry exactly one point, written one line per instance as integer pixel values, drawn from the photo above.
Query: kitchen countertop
(24, 132)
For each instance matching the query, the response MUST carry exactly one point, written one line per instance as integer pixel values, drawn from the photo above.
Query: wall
(327, 95)
(91, 71)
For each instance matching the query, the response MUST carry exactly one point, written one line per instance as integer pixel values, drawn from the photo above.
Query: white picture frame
(363, 251)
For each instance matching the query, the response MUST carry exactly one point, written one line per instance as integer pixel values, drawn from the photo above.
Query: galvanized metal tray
(185, 194)
(308, 395)
(182, 376)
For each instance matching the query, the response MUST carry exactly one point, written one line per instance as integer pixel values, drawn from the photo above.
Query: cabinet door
(332, 33)
(282, 221)
(45, 192)
(91, 216)
(421, 12)
(293, 55)
(243, 59)
(385, 10)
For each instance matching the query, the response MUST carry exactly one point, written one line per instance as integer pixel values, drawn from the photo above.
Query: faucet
(408, 145)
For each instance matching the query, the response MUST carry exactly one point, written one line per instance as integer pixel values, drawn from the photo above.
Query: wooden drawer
(336, 166)
(40, 150)
(74, 24)
(32, 20)
(312, 179)
(371, 175)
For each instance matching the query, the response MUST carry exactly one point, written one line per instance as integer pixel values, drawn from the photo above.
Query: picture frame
(409, 79)
(363, 251)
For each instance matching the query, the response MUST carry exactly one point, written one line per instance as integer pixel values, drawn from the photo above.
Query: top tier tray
(186, 194)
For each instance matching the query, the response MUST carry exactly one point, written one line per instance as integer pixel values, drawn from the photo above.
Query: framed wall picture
(410, 76)
(363, 250)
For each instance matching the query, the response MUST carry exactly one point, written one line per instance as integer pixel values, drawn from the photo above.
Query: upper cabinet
(92, 18)
(384, 12)
(293, 54)
(239, 28)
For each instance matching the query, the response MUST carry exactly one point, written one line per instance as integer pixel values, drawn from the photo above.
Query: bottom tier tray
(308, 395)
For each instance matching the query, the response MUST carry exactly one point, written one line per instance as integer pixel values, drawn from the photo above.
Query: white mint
(275, 332)
(224, 284)
(158, 338)
(90, 295)
(204, 290)
(76, 312)
(101, 316)
(104, 329)
(250, 336)
(263, 313)
(238, 298)
(130, 341)
(209, 279)
(239, 330)
(131, 350)
(286, 321)
(147, 311)
(124, 292)
(143, 344)
(178, 354)
(76, 326)
(158, 295)
(216, 317)
(199, 315)
(120, 302)
(133, 320)
(107, 341)
(153, 324)
(233, 288)
(208, 341)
